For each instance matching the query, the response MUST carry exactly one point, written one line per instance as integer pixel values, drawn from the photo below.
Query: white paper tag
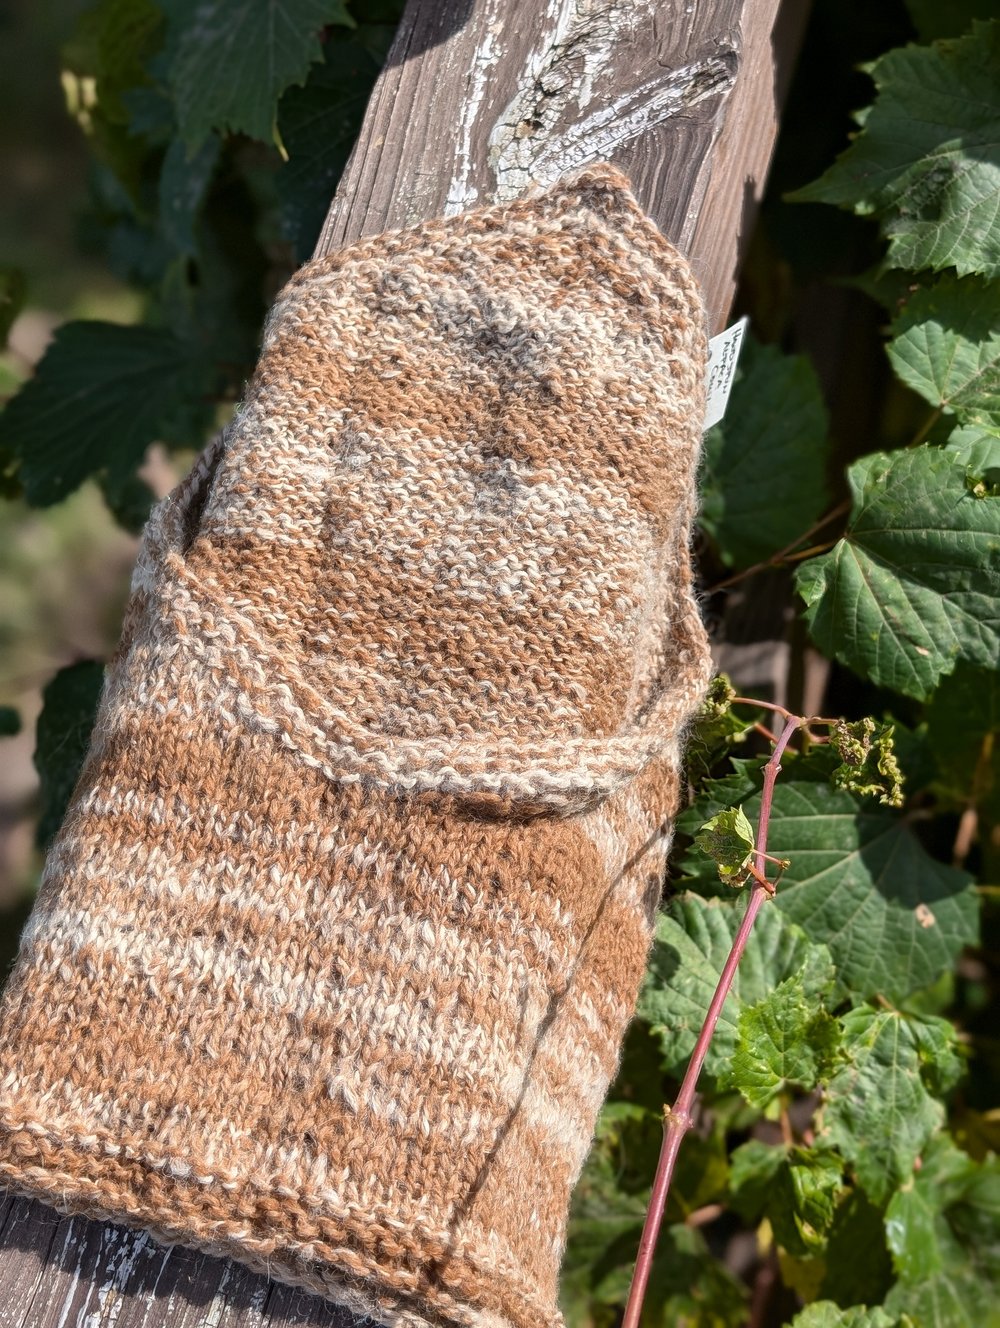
(723, 357)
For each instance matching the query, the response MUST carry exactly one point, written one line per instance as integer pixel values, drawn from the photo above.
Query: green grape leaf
(858, 882)
(828, 1314)
(880, 1112)
(946, 346)
(979, 452)
(944, 1233)
(862, 884)
(916, 1235)
(150, 111)
(728, 839)
(129, 498)
(914, 585)
(963, 722)
(763, 479)
(101, 393)
(754, 1168)
(215, 306)
(926, 161)
(796, 1189)
(942, 1063)
(319, 124)
(716, 794)
(232, 59)
(784, 1040)
(858, 1268)
(693, 940)
(69, 704)
(698, 871)
(803, 1207)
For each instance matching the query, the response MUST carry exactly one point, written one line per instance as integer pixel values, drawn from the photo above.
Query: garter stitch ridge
(334, 953)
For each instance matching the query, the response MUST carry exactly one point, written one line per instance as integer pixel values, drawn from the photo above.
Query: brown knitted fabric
(334, 953)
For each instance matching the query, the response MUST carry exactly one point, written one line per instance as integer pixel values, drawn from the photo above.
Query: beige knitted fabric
(334, 953)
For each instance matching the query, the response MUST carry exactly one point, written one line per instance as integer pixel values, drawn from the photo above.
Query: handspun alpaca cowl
(334, 953)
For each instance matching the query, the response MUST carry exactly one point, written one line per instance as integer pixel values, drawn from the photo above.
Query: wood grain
(479, 99)
(69, 1272)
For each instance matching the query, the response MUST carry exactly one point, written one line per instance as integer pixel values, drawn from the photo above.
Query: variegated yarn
(335, 951)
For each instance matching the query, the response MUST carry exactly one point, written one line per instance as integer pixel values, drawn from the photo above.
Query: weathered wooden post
(478, 100)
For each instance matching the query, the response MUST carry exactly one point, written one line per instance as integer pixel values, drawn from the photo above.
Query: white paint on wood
(547, 127)
(160, 1271)
(70, 1241)
(122, 1250)
(522, 159)
(484, 100)
(461, 193)
(216, 1311)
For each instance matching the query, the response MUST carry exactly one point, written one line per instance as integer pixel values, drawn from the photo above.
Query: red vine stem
(677, 1119)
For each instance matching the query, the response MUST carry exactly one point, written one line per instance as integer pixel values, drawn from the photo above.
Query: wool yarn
(334, 954)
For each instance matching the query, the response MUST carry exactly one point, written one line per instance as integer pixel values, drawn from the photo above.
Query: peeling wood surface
(479, 99)
(69, 1272)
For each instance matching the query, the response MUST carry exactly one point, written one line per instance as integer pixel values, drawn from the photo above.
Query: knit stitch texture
(334, 953)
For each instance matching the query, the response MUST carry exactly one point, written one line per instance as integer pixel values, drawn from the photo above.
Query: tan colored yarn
(336, 948)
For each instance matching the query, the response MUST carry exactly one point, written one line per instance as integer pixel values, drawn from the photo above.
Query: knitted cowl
(334, 953)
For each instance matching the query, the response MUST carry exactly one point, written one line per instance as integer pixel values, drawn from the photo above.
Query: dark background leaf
(264, 46)
(319, 123)
(100, 396)
(69, 704)
(764, 478)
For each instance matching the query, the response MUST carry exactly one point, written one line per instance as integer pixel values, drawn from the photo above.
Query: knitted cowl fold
(334, 953)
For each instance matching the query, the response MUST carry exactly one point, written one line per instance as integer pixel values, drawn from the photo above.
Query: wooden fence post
(478, 99)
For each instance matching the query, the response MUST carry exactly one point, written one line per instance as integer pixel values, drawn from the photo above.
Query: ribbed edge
(601, 189)
(341, 1266)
